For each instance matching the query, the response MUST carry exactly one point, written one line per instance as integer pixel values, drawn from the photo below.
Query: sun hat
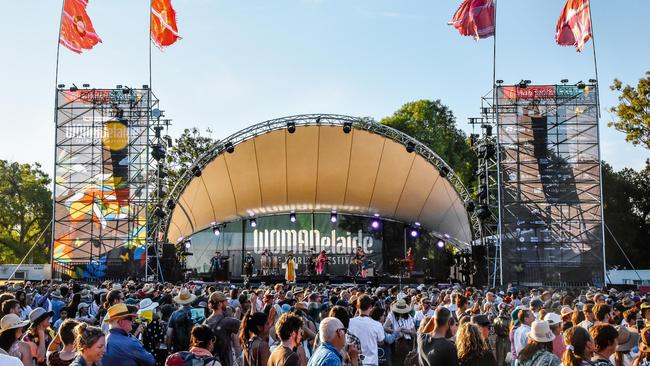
(627, 303)
(481, 320)
(400, 307)
(184, 297)
(116, 286)
(12, 321)
(552, 318)
(626, 339)
(39, 314)
(540, 331)
(118, 311)
(147, 304)
(148, 288)
(644, 345)
(565, 311)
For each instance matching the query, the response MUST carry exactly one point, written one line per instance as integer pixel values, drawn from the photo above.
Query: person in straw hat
(401, 324)
(11, 331)
(539, 349)
(626, 341)
(180, 323)
(121, 348)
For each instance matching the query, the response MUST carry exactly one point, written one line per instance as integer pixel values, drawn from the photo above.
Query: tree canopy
(633, 111)
(434, 124)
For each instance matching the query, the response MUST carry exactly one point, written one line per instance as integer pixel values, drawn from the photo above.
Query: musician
(320, 262)
(311, 262)
(249, 264)
(290, 274)
(216, 264)
(409, 261)
(358, 259)
(265, 262)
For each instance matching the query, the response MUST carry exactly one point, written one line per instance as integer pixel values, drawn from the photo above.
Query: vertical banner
(550, 185)
(100, 182)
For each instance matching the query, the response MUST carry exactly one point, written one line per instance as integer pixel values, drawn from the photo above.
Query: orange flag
(475, 18)
(77, 31)
(164, 30)
(574, 26)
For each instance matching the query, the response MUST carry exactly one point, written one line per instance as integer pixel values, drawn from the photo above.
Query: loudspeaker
(479, 256)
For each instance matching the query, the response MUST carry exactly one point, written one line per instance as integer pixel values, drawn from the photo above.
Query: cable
(622, 251)
(30, 249)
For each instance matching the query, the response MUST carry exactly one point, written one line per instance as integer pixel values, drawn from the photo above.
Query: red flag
(164, 30)
(574, 26)
(77, 31)
(475, 18)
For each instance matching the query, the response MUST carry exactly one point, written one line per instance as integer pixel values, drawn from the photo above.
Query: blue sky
(242, 62)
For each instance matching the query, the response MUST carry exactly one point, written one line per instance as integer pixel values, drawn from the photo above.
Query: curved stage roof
(321, 168)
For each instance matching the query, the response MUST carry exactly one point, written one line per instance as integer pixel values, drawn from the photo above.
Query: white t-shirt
(521, 337)
(6, 360)
(369, 332)
(419, 315)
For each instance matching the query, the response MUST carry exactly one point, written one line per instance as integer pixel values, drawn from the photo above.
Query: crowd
(199, 324)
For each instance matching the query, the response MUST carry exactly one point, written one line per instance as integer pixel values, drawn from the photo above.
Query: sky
(247, 61)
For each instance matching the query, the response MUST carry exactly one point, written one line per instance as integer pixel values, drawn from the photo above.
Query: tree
(25, 212)
(434, 124)
(633, 111)
(186, 150)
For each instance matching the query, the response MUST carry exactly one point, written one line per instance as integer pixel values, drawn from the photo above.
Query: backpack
(182, 330)
(188, 359)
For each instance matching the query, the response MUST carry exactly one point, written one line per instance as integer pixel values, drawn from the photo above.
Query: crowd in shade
(202, 324)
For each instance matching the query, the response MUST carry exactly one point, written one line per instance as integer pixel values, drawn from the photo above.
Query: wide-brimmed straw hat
(184, 297)
(626, 339)
(39, 314)
(147, 304)
(119, 311)
(400, 307)
(12, 321)
(540, 331)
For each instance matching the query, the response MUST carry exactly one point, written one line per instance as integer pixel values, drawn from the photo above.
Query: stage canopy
(340, 163)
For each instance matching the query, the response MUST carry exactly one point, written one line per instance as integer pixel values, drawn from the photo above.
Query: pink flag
(476, 18)
(574, 26)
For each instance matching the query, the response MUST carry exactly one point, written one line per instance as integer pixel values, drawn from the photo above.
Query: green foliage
(25, 211)
(187, 148)
(434, 124)
(633, 111)
(627, 214)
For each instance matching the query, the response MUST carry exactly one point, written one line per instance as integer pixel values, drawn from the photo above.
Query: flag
(475, 18)
(574, 26)
(164, 30)
(77, 31)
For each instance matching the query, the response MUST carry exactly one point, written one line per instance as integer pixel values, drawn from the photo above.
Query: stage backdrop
(550, 185)
(278, 234)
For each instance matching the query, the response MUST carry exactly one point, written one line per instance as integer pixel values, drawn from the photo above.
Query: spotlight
(410, 147)
(499, 82)
(216, 230)
(444, 171)
(522, 84)
(253, 222)
(469, 205)
(441, 244)
(318, 119)
(375, 222)
(73, 88)
(593, 81)
(564, 81)
(488, 130)
(196, 171)
(171, 204)
(414, 233)
(292, 217)
(158, 211)
(86, 85)
(188, 243)
(145, 86)
(291, 127)
(580, 85)
(61, 86)
(158, 152)
(333, 217)
(118, 86)
(229, 147)
(163, 172)
(347, 127)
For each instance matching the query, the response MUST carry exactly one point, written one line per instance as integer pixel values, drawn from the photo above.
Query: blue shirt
(125, 350)
(326, 355)
(57, 305)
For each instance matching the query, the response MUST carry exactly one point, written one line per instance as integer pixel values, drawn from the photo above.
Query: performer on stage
(249, 264)
(320, 262)
(357, 261)
(290, 275)
(216, 264)
(410, 261)
(265, 262)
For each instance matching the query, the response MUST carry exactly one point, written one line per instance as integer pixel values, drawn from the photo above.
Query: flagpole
(593, 47)
(150, 8)
(58, 47)
(494, 48)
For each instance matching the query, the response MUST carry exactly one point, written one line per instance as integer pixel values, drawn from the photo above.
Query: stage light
(145, 86)
(292, 217)
(580, 85)
(499, 82)
(253, 222)
(414, 233)
(157, 152)
(488, 130)
(318, 119)
(196, 171)
(229, 147)
(61, 86)
(564, 81)
(447, 236)
(86, 85)
(118, 86)
(522, 84)
(444, 171)
(216, 230)
(375, 222)
(410, 147)
(333, 217)
(171, 204)
(188, 244)
(441, 244)
(73, 88)
(469, 205)
(291, 127)
(158, 211)
(347, 127)
(593, 81)
(483, 212)
(169, 140)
